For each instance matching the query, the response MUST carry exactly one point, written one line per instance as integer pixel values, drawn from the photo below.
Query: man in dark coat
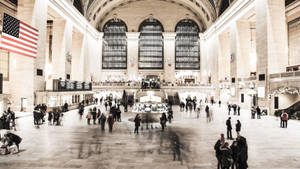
(229, 128)
(102, 121)
(137, 122)
(110, 122)
(243, 153)
(238, 127)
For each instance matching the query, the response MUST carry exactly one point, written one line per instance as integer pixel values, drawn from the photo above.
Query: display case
(151, 45)
(187, 49)
(114, 54)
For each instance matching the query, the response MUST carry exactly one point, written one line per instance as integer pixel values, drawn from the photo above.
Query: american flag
(19, 37)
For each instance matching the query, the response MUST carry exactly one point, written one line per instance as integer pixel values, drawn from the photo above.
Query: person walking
(50, 117)
(229, 109)
(229, 128)
(217, 147)
(207, 114)
(219, 103)
(110, 121)
(234, 109)
(285, 118)
(98, 116)
(137, 121)
(105, 104)
(238, 126)
(258, 111)
(253, 111)
(94, 114)
(102, 121)
(239, 110)
(198, 112)
(89, 116)
(170, 115)
(163, 120)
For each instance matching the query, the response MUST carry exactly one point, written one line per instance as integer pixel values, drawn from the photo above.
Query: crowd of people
(234, 156)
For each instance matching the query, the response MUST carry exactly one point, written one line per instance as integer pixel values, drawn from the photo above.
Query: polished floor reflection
(77, 145)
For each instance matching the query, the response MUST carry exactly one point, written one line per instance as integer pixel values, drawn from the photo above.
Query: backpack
(284, 116)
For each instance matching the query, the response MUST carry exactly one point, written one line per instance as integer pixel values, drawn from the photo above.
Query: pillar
(271, 41)
(78, 57)
(23, 72)
(132, 55)
(62, 35)
(169, 56)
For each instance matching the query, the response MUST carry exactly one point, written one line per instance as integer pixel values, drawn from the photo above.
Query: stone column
(95, 56)
(244, 52)
(62, 35)
(169, 56)
(23, 69)
(78, 56)
(132, 55)
(271, 40)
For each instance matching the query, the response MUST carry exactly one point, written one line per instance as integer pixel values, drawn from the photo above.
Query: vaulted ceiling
(205, 11)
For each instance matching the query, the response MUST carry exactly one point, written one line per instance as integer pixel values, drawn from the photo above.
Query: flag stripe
(20, 39)
(29, 26)
(28, 36)
(11, 49)
(25, 39)
(17, 47)
(6, 39)
(27, 30)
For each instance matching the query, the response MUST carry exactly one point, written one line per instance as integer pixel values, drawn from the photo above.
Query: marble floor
(77, 145)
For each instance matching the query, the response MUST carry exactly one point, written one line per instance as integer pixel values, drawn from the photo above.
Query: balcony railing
(285, 75)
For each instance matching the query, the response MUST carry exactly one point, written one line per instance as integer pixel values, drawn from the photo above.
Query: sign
(62, 85)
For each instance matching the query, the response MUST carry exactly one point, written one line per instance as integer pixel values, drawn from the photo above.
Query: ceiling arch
(203, 10)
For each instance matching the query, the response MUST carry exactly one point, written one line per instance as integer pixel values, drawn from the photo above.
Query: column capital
(169, 35)
(133, 35)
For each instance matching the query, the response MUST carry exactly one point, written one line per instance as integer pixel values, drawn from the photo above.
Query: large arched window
(114, 54)
(187, 55)
(151, 45)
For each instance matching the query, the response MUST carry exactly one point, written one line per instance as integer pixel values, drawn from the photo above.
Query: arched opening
(187, 50)
(114, 52)
(151, 45)
(78, 5)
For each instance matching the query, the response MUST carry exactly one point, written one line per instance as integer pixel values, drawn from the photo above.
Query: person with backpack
(137, 121)
(217, 146)
(285, 118)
